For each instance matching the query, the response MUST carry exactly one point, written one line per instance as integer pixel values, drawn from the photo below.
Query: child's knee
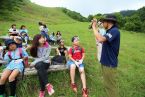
(72, 66)
(12, 78)
(82, 71)
(3, 80)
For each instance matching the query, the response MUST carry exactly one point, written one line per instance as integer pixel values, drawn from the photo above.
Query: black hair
(40, 23)
(44, 25)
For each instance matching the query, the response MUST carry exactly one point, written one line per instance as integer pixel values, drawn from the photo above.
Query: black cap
(109, 18)
(8, 42)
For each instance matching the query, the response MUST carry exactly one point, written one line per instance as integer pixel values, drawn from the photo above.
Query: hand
(94, 23)
(77, 63)
(31, 66)
(80, 61)
(1, 48)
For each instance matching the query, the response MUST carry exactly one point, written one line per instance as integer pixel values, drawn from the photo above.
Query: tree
(75, 15)
(133, 23)
(141, 13)
(120, 19)
(90, 17)
(143, 27)
(99, 16)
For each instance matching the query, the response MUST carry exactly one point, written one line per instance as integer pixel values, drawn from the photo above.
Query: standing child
(45, 31)
(40, 50)
(40, 26)
(77, 55)
(14, 58)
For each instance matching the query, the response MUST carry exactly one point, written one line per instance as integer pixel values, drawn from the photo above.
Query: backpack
(57, 60)
(25, 62)
(73, 50)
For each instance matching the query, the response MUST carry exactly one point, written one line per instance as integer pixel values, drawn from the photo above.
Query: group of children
(21, 34)
(52, 38)
(16, 59)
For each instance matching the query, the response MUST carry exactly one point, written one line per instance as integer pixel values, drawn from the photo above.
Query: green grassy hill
(131, 78)
(31, 14)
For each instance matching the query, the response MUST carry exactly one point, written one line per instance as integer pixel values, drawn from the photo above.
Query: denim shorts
(69, 63)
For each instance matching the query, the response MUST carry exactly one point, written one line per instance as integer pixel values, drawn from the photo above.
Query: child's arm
(83, 56)
(58, 52)
(24, 54)
(70, 57)
(6, 58)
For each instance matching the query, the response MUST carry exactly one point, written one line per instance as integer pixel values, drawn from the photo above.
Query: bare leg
(5, 76)
(83, 77)
(72, 73)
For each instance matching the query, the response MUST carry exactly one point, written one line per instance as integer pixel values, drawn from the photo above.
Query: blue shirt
(23, 30)
(15, 55)
(102, 31)
(110, 49)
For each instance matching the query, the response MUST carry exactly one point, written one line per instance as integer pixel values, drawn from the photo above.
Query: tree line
(130, 20)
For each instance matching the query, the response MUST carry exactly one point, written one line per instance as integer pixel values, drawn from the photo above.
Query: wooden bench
(7, 37)
(33, 71)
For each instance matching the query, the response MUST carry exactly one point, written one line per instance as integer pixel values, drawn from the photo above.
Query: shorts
(69, 63)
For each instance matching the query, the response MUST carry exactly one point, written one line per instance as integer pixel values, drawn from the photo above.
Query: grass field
(131, 70)
(131, 79)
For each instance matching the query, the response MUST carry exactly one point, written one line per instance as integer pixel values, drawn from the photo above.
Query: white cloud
(86, 7)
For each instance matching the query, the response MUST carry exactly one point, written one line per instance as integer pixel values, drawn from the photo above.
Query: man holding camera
(110, 51)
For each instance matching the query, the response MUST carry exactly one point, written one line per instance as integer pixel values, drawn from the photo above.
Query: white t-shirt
(13, 31)
(41, 28)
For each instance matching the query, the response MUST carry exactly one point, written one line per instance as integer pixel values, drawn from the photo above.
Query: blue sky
(86, 7)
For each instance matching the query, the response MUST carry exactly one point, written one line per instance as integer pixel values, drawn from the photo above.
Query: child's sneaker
(74, 87)
(50, 89)
(41, 93)
(84, 93)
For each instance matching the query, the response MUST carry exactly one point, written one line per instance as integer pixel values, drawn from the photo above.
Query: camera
(90, 26)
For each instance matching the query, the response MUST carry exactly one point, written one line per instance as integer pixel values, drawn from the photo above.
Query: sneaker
(41, 93)
(74, 87)
(50, 89)
(84, 93)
